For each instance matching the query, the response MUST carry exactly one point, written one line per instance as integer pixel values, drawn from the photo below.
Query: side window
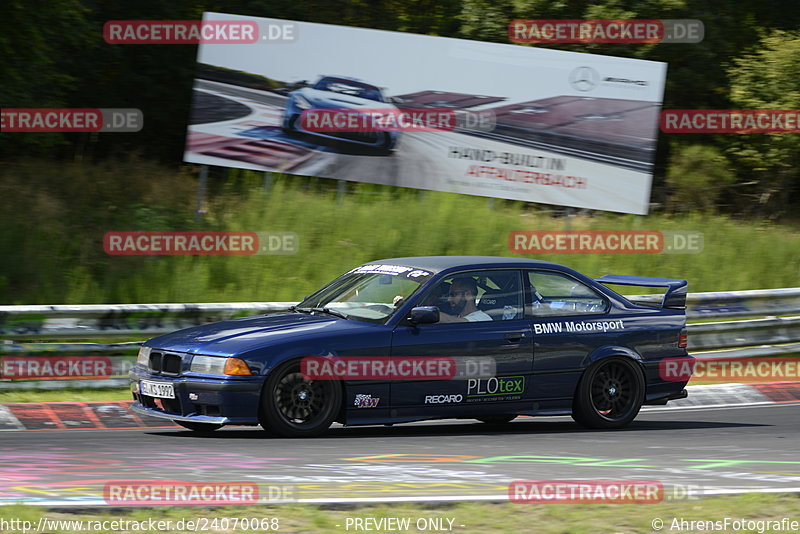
(554, 294)
(477, 296)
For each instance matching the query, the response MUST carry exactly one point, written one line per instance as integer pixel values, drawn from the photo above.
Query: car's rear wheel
(293, 407)
(199, 427)
(609, 394)
(497, 419)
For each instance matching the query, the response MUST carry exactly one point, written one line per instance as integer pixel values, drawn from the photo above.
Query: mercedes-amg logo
(584, 78)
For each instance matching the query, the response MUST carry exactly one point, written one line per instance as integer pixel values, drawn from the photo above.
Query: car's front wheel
(293, 406)
(288, 125)
(609, 394)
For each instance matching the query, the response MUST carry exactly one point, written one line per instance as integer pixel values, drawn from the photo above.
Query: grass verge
(474, 516)
(56, 255)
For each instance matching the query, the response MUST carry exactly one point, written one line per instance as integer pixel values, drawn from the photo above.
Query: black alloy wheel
(609, 394)
(294, 406)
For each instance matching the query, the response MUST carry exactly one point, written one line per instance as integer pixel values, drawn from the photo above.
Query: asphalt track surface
(691, 451)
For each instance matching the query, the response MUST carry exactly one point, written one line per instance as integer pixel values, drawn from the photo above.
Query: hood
(229, 338)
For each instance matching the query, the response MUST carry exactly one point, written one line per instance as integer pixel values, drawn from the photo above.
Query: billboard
(441, 114)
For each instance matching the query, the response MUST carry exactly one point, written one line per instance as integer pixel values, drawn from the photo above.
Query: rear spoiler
(675, 296)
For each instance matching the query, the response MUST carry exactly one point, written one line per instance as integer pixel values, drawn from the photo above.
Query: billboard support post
(568, 215)
(267, 181)
(201, 191)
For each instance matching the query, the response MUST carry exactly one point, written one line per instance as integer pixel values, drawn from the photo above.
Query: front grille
(172, 364)
(361, 137)
(155, 361)
(168, 406)
(165, 363)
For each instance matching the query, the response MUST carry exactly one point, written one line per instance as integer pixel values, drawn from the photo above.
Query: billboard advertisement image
(426, 112)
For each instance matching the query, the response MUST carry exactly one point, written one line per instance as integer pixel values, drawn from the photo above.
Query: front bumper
(222, 401)
(385, 139)
(138, 408)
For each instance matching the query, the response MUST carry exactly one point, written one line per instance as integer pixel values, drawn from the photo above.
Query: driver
(461, 298)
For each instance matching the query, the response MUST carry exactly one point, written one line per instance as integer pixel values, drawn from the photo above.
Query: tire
(287, 126)
(609, 394)
(198, 427)
(497, 419)
(293, 407)
(386, 147)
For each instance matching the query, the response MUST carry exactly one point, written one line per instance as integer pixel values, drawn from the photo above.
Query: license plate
(162, 390)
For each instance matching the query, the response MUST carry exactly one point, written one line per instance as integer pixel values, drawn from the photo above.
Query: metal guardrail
(65, 365)
(772, 331)
(119, 320)
(60, 365)
(749, 303)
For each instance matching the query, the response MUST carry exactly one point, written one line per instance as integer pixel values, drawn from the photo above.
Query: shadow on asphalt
(466, 429)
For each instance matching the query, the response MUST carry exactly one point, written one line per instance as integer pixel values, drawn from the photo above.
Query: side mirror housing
(424, 315)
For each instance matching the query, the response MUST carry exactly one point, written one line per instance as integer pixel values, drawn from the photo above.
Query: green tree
(697, 176)
(42, 44)
(486, 20)
(769, 78)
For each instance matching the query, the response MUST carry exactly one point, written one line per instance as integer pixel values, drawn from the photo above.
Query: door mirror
(424, 315)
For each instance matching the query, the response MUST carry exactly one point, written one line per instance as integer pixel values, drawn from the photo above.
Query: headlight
(144, 356)
(208, 365)
(301, 102)
(213, 365)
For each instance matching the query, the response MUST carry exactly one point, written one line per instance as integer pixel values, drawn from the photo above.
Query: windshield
(350, 88)
(368, 293)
